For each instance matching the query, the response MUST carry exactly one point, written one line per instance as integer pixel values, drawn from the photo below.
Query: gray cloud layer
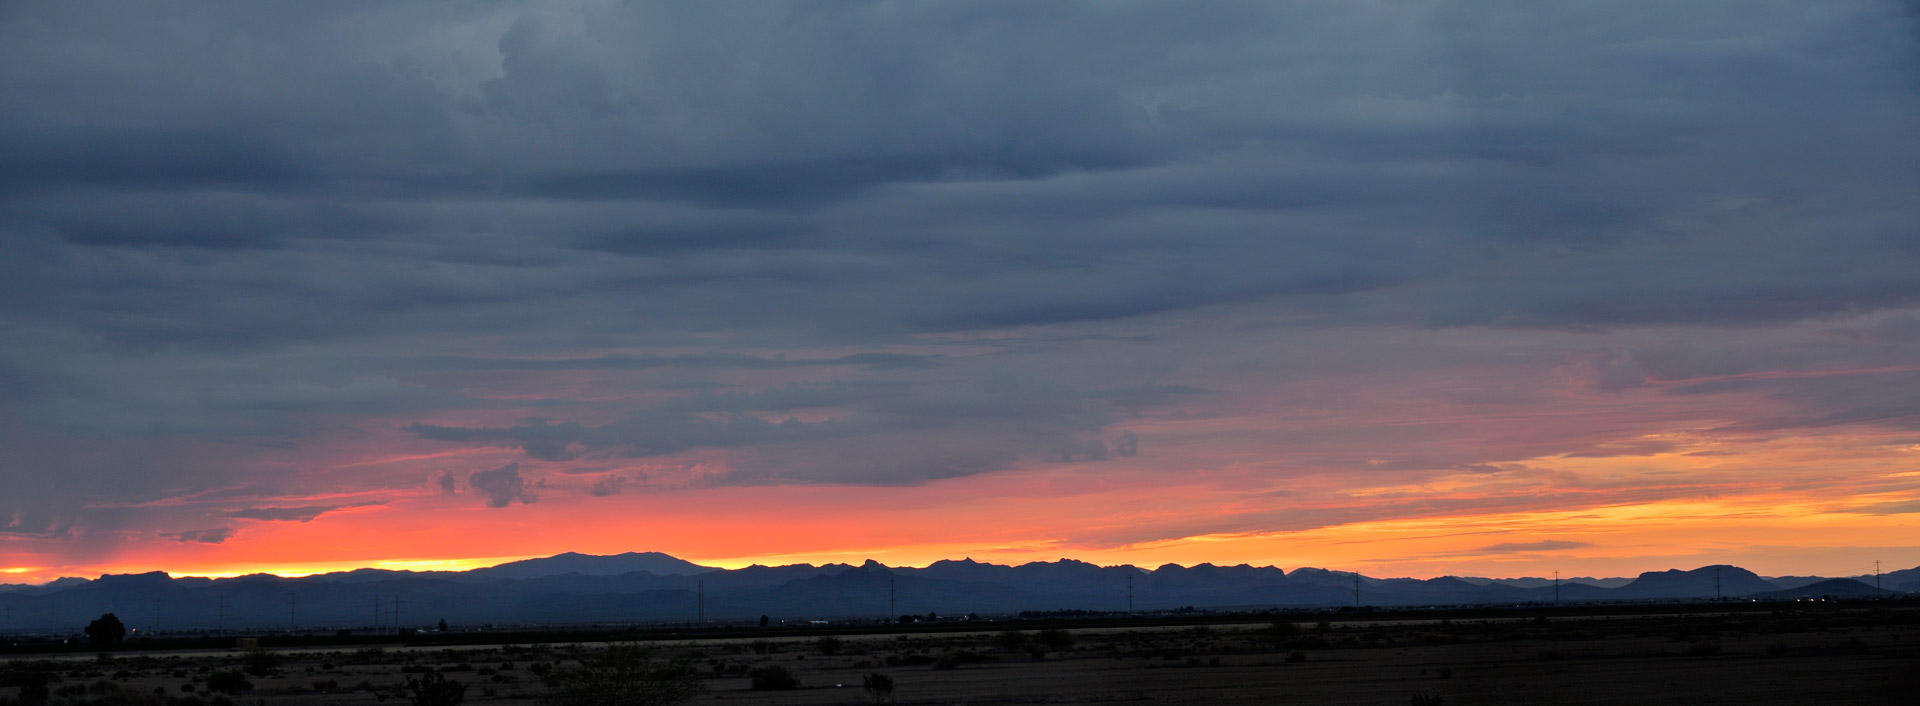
(225, 220)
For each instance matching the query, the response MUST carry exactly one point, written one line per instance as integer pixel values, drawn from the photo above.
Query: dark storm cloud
(283, 514)
(206, 536)
(501, 486)
(59, 158)
(225, 220)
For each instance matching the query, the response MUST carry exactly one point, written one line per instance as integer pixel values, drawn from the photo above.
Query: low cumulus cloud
(501, 486)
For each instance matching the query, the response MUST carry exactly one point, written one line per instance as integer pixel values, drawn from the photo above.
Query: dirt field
(1867, 657)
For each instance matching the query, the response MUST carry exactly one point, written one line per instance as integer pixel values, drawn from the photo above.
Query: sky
(1412, 288)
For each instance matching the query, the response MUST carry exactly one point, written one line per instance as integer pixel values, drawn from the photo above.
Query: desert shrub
(1056, 640)
(1704, 649)
(1427, 698)
(829, 645)
(879, 686)
(35, 694)
(1010, 640)
(260, 661)
(326, 685)
(1282, 630)
(772, 677)
(434, 689)
(1296, 656)
(624, 675)
(907, 660)
(229, 681)
(763, 647)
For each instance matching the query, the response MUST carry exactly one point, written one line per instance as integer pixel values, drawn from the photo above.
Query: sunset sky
(1404, 287)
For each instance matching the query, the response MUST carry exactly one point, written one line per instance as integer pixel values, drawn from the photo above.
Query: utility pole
(891, 611)
(1556, 587)
(1877, 593)
(701, 611)
(1356, 590)
(1129, 594)
(1716, 583)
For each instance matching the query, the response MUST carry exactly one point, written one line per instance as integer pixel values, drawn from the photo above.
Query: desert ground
(1860, 655)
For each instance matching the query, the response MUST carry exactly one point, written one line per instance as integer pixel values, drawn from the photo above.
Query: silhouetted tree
(443, 625)
(763, 621)
(1056, 640)
(106, 630)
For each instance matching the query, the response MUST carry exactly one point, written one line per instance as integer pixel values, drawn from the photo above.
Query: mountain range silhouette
(644, 587)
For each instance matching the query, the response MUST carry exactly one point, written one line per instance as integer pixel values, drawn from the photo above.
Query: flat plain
(1860, 655)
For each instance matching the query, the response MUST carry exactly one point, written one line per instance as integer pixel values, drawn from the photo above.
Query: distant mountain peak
(593, 565)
